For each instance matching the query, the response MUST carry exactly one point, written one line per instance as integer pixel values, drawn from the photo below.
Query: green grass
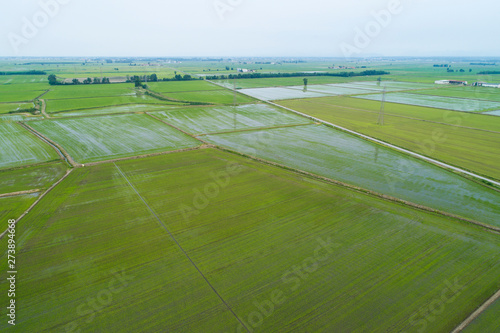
(18, 96)
(7, 107)
(340, 156)
(108, 137)
(12, 208)
(228, 118)
(387, 263)
(182, 86)
(426, 131)
(35, 177)
(487, 321)
(59, 105)
(212, 96)
(83, 91)
(20, 147)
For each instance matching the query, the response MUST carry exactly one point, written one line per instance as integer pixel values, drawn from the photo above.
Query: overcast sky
(323, 28)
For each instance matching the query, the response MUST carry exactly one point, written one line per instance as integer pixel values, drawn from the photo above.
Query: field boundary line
(177, 128)
(407, 117)
(13, 194)
(147, 155)
(38, 200)
(406, 151)
(181, 248)
(255, 129)
(60, 150)
(476, 313)
(44, 107)
(38, 97)
(365, 191)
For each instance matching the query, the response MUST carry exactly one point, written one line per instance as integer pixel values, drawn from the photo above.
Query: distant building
(455, 82)
(487, 85)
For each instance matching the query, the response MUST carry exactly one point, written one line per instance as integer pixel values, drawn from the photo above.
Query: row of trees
(33, 72)
(54, 82)
(271, 75)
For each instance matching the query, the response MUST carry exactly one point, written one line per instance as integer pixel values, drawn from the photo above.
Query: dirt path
(476, 313)
(44, 106)
(60, 150)
(18, 193)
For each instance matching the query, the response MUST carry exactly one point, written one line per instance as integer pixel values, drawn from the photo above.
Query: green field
(431, 132)
(20, 147)
(340, 156)
(83, 91)
(59, 105)
(182, 86)
(8, 107)
(13, 207)
(35, 177)
(212, 96)
(229, 118)
(487, 321)
(258, 240)
(108, 137)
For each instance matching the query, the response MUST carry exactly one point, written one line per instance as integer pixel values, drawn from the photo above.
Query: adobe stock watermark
(88, 310)
(31, 27)
(431, 311)
(202, 197)
(222, 7)
(291, 280)
(363, 37)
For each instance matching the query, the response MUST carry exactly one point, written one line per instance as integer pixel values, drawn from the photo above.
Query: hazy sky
(249, 28)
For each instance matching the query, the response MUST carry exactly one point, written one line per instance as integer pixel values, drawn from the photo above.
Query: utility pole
(234, 100)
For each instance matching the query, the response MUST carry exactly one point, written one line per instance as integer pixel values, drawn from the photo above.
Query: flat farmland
(213, 96)
(333, 89)
(8, 107)
(182, 86)
(346, 158)
(324, 255)
(108, 137)
(488, 94)
(462, 139)
(440, 102)
(20, 147)
(229, 118)
(59, 105)
(18, 95)
(30, 178)
(284, 81)
(12, 208)
(90, 90)
(269, 94)
(487, 321)
(128, 108)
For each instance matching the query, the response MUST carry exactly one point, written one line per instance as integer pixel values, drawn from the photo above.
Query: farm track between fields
(478, 312)
(44, 107)
(13, 194)
(38, 97)
(60, 150)
(407, 117)
(38, 200)
(182, 249)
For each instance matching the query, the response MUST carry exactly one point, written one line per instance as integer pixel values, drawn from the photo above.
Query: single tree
(305, 82)
(52, 80)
